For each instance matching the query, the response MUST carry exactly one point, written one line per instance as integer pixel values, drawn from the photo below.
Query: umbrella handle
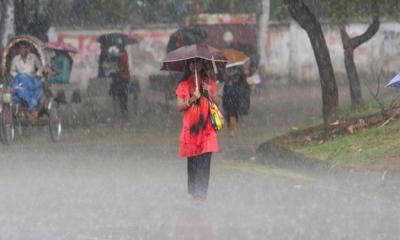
(196, 78)
(214, 65)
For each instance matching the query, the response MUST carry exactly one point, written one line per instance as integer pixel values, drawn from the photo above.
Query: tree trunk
(262, 33)
(349, 45)
(330, 99)
(7, 23)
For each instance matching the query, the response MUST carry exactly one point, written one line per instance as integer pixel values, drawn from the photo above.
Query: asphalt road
(124, 181)
(120, 183)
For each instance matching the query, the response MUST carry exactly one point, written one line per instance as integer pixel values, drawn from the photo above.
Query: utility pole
(262, 33)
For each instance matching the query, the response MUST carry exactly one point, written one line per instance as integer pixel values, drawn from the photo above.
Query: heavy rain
(199, 119)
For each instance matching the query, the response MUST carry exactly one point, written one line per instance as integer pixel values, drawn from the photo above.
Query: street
(123, 182)
(102, 96)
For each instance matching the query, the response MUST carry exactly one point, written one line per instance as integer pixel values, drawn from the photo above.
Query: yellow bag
(217, 119)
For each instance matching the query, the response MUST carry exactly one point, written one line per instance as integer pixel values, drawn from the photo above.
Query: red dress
(124, 66)
(198, 136)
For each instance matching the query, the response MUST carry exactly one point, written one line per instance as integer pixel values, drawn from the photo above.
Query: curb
(275, 155)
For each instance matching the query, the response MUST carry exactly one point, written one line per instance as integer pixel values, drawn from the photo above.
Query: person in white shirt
(26, 71)
(26, 62)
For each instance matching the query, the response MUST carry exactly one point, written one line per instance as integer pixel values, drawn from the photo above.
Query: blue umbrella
(395, 82)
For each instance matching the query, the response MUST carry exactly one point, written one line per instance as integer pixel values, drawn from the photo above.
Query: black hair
(186, 71)
(22, 44)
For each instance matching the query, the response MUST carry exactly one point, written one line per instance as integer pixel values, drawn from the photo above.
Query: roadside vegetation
(364, 139)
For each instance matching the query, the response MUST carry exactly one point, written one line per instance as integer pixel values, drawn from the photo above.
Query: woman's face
(195, 66)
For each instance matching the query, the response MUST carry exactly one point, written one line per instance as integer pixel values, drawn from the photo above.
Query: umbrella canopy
(175, 60)
(186, 36)
(110, 39)
(61, 46)
(235, 57)
(395, 82)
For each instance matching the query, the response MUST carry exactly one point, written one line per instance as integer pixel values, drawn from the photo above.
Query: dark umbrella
(175, 60)
(186, 36)
(110, 39)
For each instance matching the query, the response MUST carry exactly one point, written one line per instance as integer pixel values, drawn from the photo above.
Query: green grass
(366, 147)
(345, 112)
(370, 107)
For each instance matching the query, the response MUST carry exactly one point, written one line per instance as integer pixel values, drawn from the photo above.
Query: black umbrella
(110, 39)
(186, 36)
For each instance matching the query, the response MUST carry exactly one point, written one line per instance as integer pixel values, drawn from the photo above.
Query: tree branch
(368, 34)
(372, 28)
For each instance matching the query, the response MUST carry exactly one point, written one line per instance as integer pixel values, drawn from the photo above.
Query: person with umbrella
(198, 140)
(120, 81)
(236, 90)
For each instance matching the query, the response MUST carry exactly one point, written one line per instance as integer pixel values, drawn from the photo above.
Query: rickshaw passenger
(26, 70)
(26, 62)
(60, 68)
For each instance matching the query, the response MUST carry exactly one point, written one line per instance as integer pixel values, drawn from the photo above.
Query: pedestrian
(198, 139)
(236, 96)
(60, 67)
(120, 81)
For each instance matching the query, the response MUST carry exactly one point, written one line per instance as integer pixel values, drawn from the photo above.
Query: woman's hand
(206, 87)
(196, 95)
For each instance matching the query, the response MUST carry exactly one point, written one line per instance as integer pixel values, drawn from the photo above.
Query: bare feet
(231, 134)
(32, 115)
(199, 200)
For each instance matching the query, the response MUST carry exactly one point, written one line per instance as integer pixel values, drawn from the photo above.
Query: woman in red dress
(198, 139)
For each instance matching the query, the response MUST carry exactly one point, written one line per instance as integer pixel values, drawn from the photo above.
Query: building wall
(289, 52)
(290, 56)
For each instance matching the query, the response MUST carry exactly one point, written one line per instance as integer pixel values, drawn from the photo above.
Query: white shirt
(31, 65)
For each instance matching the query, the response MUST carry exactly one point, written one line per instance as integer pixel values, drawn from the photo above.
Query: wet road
(125, 182)
(113, 184)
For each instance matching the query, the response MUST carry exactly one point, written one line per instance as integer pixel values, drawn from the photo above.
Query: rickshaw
(14, 110)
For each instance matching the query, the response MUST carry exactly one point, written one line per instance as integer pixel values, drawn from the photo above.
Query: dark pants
(119, 91)
(199, 175)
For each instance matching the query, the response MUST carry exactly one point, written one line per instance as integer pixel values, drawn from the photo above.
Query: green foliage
(342, 12)
(278, 10)
(231, 6)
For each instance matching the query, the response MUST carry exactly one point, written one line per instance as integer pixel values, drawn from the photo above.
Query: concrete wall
(145, 57)
(290, 56)
(289, 52)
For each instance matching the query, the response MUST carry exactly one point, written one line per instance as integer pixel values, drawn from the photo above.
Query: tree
(308, 21)
(342, 11)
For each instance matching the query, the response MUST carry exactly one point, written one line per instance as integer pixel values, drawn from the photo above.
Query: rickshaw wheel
(55, 125)
(7, 125)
